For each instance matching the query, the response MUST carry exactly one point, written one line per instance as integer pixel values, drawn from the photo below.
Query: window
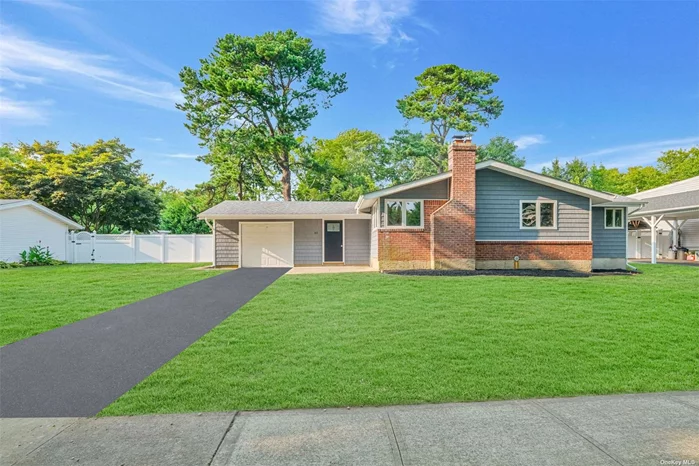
(403, 214)
(538, 214)
(613, 218)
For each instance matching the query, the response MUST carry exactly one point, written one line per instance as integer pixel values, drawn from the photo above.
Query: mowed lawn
(370, 339)
(36, 299)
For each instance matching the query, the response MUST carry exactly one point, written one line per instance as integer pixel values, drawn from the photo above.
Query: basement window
(538, 214)
(403, 213)
(614, 218)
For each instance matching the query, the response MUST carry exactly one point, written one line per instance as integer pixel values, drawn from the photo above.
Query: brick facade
(453, 239)
(574, 255)
(534, 250)
(408, 248)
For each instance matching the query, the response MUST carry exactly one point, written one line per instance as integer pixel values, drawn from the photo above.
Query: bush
(36, 256)
(9, 265)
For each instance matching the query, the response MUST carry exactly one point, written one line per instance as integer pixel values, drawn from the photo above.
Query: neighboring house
(24, 223)
(473, 216)
(675, 209)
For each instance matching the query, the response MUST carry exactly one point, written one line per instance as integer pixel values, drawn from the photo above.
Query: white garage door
(267, 244)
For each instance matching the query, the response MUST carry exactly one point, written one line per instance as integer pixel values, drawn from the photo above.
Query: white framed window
(538, 214)
(403, 213)
(614, 218)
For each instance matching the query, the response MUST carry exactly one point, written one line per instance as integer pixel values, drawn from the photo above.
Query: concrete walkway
(666, 261)
(646, 429)
(78, 369)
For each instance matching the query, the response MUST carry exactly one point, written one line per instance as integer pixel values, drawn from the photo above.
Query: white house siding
(23, 227)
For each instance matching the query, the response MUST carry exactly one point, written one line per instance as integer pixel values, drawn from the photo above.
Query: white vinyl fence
(85, 247)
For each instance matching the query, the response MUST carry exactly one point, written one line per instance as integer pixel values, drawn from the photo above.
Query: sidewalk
(645, 429)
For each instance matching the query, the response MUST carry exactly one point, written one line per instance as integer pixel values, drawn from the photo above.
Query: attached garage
(289, 234)
(267, 244)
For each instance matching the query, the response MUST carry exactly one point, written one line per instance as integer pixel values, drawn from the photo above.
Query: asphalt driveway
(78, 369)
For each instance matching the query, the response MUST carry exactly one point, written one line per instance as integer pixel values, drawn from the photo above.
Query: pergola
(674, 208)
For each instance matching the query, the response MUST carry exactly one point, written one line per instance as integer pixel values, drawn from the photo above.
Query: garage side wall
(227, 242)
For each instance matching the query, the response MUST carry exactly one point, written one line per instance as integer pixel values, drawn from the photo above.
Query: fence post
(72, 243)
(162, 247)
(92, 243)
(133, 247)
(194, 247)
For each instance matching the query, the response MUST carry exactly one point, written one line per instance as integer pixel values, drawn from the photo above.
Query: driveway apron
(79, 369)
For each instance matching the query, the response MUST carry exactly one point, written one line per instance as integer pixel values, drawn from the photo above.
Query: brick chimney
(453, 235)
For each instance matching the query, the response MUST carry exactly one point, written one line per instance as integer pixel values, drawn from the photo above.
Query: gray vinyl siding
(498, 210)
(357, 241)
(433, 191)
(607, 243)
(436, 190)
(227, 242)
(308, 242)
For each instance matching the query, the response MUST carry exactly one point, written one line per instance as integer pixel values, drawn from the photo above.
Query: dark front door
(333, 241)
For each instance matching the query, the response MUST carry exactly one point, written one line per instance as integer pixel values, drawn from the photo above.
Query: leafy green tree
(679, 164)
(340, 169)
(501, 149)
(237, 172)
(451, 98)
(97, 185)
(410, 156)
(179, 214)
(269, 85)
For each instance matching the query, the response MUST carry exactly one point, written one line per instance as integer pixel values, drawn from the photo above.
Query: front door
(333, 241)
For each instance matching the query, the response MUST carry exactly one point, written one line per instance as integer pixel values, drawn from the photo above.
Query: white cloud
(24, 112)
(154, 139)
(529, 140)
(7, 74)
(53, 4)
(627, 155)
(100, 72)
(379, 20)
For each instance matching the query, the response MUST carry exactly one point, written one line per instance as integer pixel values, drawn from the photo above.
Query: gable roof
(7, 204)
(280, 209)
(597, 197)
(367, 200)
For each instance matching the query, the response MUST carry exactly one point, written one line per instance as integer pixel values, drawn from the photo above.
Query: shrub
(9, 265)
(37, 255)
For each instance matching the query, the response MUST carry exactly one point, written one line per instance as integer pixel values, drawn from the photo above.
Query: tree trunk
(286, 179)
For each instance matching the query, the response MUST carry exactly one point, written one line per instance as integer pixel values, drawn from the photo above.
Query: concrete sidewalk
(646, 429)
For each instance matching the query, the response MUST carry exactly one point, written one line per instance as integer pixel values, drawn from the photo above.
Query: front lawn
(36, 299)
(369, 339)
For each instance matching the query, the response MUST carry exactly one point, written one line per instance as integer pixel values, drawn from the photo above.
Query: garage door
(267, 244)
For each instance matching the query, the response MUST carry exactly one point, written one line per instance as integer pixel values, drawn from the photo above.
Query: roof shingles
(268, 208)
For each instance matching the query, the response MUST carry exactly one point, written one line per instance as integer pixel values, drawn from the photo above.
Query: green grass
(36, 299)
(369, 339)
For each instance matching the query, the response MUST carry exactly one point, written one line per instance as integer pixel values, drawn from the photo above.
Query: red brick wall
(403, 244)
(454, 233)
(533, 250)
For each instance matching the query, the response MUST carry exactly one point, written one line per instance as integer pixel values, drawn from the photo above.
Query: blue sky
(611, 82)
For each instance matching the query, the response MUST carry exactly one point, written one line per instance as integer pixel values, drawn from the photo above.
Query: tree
(501, 149)
(411, 156)
(179, 215)
(451, 98)
(96, 185)
(679, 164)
(236, 172)
(269, 85)
(340, 169)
